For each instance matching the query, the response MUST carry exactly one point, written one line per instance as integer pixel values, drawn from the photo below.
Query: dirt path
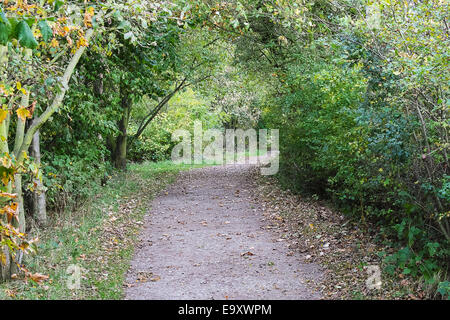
(206, 238)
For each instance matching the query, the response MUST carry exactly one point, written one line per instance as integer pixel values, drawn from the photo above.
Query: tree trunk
(39, 202)
(111, 145)
(120, 157)
(20, 223)
(20, 132)
(5, 266)
(5, 272)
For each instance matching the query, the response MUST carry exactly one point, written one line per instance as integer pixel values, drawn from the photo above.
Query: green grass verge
(99, 238)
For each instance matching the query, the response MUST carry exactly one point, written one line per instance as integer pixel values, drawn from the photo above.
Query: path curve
(205, 237)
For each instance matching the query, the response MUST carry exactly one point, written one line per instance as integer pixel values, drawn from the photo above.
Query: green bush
(70, 180)
(341, 137)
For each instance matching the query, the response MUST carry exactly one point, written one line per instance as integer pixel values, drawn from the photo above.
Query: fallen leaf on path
(155, 278)
(11, 293)
(37, 277)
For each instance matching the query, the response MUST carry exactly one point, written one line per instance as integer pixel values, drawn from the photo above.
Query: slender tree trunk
(20, 223)
(154, 112)
(120, 159)
(5, 272)
(5, 266)
(111, 145)
(20, 132)
(39, 202)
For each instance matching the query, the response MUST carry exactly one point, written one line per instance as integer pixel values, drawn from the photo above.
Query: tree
(42, 43)
(18, 41)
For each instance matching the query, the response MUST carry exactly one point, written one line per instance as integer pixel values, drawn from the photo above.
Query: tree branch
(149, 117)
(37, 123)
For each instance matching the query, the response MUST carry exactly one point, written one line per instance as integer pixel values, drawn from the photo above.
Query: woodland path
(205, 237)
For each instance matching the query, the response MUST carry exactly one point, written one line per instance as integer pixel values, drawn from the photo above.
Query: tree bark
(5, 268)
(20, 131)
(20, 223)
(120, 158)
(5, 272)
(39, 201)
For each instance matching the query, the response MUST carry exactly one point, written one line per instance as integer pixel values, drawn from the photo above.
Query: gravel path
(206, 238)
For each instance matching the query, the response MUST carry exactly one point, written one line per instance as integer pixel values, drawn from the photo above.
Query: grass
(98, 238)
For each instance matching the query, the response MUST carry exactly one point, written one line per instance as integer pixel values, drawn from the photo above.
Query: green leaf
(5, 28)
(3, 18)
(444, 289)
(117, 15)
(390, 269)
(125, 25)
(58, 4)
(46, 31)
(13, 22)
(432, 248)
(25, 35)
(30, 21)
(96, 21)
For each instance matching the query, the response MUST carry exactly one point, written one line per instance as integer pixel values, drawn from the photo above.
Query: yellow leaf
(90, 11)
(6, 161)
(11, 211)
(5, 179)
(23, 113)
(54, 43)
(2, 258)
(3, 114)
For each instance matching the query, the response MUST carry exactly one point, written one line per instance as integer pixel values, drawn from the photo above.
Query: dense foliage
(360, 94)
